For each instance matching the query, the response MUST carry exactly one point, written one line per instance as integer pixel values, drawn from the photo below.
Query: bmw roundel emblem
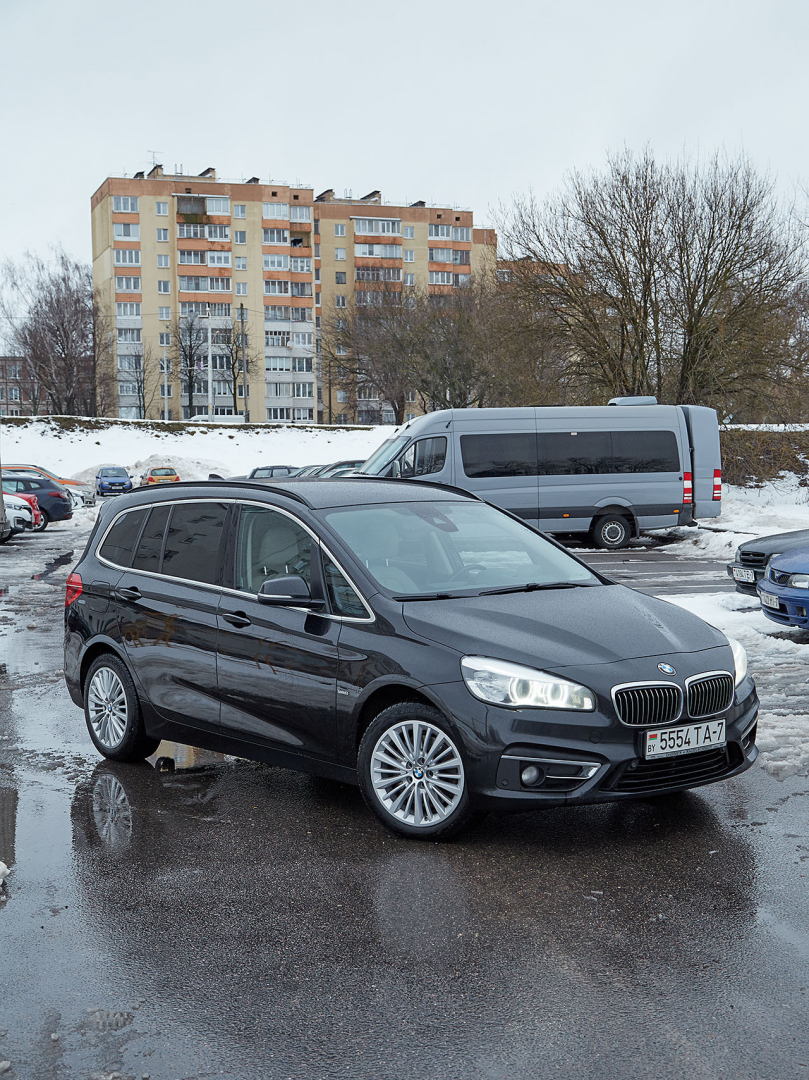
(667, 669)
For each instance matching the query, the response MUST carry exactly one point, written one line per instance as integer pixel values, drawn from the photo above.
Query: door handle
(236, 618)
(132, 593)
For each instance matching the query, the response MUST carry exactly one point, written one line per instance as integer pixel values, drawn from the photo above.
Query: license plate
(670, 742)
(770, 601)
(740, 574)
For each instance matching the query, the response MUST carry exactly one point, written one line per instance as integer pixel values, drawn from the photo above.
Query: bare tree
(189, 350)
(235, 356)
(52, 312)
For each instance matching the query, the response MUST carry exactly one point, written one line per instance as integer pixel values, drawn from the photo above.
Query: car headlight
(739, 658)
(799, 581)
(501, 683)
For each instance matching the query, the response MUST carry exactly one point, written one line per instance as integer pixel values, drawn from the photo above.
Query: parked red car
(34, 504)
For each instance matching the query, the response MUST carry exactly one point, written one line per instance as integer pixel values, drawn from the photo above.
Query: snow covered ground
(192, 451)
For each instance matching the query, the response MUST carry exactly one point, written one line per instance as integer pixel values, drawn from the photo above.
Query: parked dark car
(113, 480)
(338, 468)
(261, 472)
(752, 557)
(410, 638)
(54, 502)
(784, 589)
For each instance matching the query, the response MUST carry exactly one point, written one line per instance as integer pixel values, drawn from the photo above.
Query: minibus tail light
(688, 489)
(717, 484)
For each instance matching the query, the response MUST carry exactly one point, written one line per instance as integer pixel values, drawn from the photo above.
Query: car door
(500, 466)
(277, 665)
(167, 602)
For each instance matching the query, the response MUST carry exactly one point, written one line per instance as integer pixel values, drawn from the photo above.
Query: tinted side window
(424, 457)
(192, 542)
(645, 451)
(499, 455)
(270, 545)
(343, 599)
(570, 453)
(147, 556)
(122, 537)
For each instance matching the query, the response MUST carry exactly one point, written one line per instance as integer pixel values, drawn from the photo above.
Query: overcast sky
(455, 101)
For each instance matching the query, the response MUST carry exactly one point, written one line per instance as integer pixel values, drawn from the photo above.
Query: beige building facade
(261, 265)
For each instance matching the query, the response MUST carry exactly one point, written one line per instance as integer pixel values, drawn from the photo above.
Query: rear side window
(569, 453)
(645, 451)
(147, 556)
(122, 537)
(192, 543)
(499, 455)
(424, 457)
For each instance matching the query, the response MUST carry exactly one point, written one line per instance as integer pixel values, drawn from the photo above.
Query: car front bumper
(748, 587)
(793, 604)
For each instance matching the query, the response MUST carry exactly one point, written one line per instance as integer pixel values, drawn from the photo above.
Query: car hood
(562, 628)
(794, 561)
(777, 542)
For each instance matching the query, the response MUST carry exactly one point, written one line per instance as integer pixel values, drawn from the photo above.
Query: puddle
(53, 565)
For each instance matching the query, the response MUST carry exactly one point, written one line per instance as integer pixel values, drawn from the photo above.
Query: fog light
(531, 775)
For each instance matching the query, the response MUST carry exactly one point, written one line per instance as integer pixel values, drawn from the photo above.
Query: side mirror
(288, 591)
(395, 470)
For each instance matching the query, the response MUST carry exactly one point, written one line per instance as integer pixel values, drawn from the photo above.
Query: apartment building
(16, 394)
(258, 267)
(231, 260)
(365, 245)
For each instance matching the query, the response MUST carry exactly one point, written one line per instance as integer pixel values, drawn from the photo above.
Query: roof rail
(242, 483)
(407, 480)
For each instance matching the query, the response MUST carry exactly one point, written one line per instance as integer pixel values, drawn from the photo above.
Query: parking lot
(210, 917)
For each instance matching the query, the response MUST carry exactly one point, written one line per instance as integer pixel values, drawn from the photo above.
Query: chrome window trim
(221, 588)
(647, 685)
(708, 675)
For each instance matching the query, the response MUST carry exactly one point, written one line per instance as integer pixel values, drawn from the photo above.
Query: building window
(278, 363)
(127, 257)
(164, 286)
(274, 340)
(161, 209)
(276, 313)
(190, 231)
(461, 280)
(461, 258)
(300, 213)
(300, 265)
(302, 363)
(166, 391)
(379, 226)
(339, 230)
(128, 310)
(378, 251)
(219, 284)
(277, 211)
(217, 205)
(190, 258)
(317, 251)
(378, 273)
(165, 339)
(162, 235)
(276, 262)
(127, 284)
(276, 287)
(128, 334)
(301, 288)
(440, 255)
(342, 397)
(240, 210)
(339, 254)
(164, 314)
(127, 389)
(276, 236)
(301, 338)
(440, 231)
(462, 234)
(239, 262)
(408, 255)
(340, 277)
(218, 258)
(241, 288)
(302, 414)
(129, 363)
(239, 236)
(124, 204)
(279, 414)
(217, 232)
(123, 230)
(339, 300)
(409, 232)
(162, 262)
(410, 279)
(301, 314)
(440, 277)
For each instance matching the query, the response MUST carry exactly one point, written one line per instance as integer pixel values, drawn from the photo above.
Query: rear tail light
(688, 489)
(717, 484)
(73, 588)
(61, 495)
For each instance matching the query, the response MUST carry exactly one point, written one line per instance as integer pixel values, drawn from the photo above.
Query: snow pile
(193, 450)
(4, 872)
(778, 662)
(777, 506)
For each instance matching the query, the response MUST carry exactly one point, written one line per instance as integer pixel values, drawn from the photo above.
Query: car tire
(611, 532)
(112, 712)
(407, 796)
(44, 523)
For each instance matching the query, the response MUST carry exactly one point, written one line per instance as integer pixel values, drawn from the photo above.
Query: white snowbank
(4, 872)
(778, 662)
(193, 452)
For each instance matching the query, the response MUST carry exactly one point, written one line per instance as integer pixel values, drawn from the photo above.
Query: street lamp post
(210, 366)
(165, 377)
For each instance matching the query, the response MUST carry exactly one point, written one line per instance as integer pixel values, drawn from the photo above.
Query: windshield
(420, 549)
(162, 472)
(113, 472)
(381, 458)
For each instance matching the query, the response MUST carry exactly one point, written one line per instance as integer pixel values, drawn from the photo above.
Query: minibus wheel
(611, 532)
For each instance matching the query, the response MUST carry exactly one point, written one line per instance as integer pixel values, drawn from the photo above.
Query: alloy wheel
(111, 812)
(107, 707)
(417, 773)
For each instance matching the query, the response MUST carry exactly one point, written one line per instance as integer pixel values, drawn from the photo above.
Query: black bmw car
(752, 558)
(407, 637)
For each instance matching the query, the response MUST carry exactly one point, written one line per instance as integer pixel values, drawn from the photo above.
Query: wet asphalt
(228, 919)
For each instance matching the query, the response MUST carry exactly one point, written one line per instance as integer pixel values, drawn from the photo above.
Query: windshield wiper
(534, 586)
(436, 596)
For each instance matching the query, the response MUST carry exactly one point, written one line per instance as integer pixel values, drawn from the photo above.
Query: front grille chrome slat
(647, 704)
(709, 694)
